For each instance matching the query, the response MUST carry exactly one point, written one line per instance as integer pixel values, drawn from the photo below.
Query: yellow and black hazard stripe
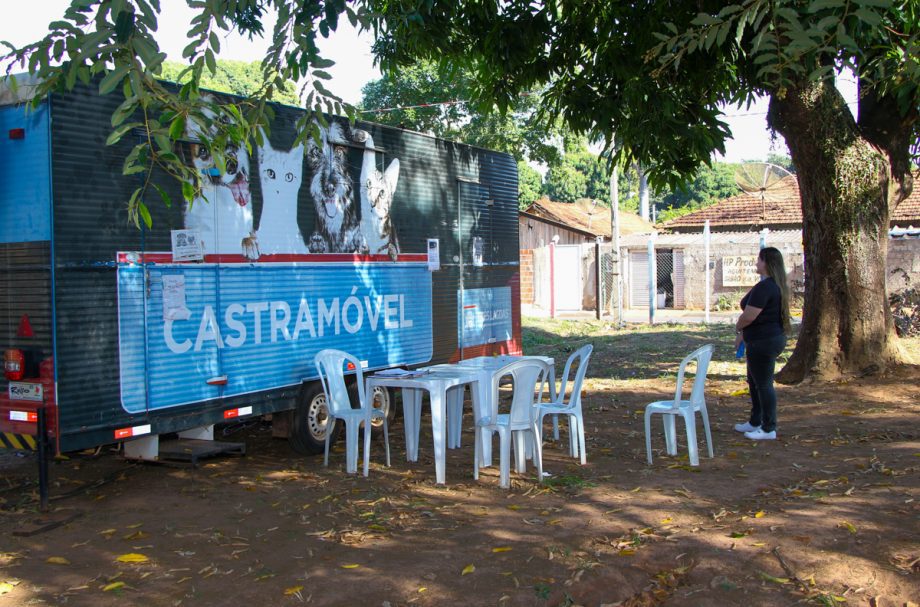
(20, 442)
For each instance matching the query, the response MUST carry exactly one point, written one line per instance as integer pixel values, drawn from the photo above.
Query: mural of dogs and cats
(344, 223)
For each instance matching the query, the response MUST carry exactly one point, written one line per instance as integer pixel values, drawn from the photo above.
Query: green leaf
(124, 111)
(163, 142)
(868, 16)
(820, 5)
(177, 128)
(146, 50)
(163, 195)
(145, 214)
(112, 79)
(188, 191)
(704, 19)
(210, 61)
(116, 135)
(826, 23)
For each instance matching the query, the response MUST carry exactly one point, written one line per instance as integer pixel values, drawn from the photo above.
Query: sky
(354, 66)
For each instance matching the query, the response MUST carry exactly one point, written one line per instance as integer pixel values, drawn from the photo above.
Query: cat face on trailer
(281, 172)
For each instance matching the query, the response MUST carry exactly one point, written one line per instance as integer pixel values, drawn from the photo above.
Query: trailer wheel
(311, 417)
(383, 400)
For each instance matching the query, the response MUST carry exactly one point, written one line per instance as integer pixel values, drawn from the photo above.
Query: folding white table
(436, 381)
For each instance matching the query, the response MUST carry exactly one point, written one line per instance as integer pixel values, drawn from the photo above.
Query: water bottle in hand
(740, 352)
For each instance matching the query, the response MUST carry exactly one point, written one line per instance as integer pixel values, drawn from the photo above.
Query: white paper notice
(477, 251)
(174, 298)
(434, 255)
(187, 246)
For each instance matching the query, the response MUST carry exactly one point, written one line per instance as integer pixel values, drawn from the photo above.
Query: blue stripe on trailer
(25, 175)
(247, 328)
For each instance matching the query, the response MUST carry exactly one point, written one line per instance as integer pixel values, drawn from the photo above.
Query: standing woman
(763, 327)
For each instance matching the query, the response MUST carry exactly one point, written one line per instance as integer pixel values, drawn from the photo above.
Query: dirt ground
(829, 514)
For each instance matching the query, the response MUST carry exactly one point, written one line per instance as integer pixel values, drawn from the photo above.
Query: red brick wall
(527, 276)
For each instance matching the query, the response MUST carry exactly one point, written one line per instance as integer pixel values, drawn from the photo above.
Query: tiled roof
(781, 206)
(588, 217)
(908, 211)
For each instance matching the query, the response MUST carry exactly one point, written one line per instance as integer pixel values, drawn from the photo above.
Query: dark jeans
(761, 363)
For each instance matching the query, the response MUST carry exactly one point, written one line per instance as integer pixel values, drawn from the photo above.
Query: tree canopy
(236, 77)
(648, 78)
(653, 80)
(428, 97)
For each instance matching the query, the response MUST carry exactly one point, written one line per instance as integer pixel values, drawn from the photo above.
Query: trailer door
(484, 313)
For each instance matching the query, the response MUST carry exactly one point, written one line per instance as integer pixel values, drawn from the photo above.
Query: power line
(459, 101)
(412, 107)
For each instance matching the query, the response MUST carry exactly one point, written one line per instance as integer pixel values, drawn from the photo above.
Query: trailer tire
(308, 434)
(382, 399)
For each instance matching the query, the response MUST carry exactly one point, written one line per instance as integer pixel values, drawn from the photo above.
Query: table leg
(411, 399)
(439, 433)
(454, 416)
(483, 409)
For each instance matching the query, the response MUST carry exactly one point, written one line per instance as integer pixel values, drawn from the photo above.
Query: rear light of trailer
(14, 364)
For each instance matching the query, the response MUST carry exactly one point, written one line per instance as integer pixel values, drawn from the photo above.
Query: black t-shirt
(769, 323)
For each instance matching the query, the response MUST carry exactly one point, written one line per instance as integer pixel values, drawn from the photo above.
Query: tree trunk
(847, 327)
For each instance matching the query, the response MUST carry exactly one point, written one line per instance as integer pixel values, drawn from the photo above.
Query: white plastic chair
(572, 408)
(687, 409)
(520, 420)
(331, 366)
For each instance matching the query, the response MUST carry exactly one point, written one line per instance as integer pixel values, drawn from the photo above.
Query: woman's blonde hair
(776, 269)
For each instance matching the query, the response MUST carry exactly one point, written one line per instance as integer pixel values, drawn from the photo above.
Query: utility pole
(643, 194)
(616, 267)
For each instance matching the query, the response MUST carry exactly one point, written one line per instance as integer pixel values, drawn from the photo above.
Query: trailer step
(190, 450)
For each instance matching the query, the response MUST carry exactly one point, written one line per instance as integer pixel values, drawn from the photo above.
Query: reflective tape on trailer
(23, 416)
(19, 442)
(123, 433)
(240, 412)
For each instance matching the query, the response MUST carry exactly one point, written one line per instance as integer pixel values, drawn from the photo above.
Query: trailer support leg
(42, 460)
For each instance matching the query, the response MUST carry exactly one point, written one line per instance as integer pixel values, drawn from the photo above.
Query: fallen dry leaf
(113, 586)
(848, 526)
(292, 590)
(775, 580)
(468, 569)
(57, 560)
(132, 557)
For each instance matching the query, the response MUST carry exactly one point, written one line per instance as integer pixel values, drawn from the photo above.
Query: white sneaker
(758, 434)
(746, 427)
